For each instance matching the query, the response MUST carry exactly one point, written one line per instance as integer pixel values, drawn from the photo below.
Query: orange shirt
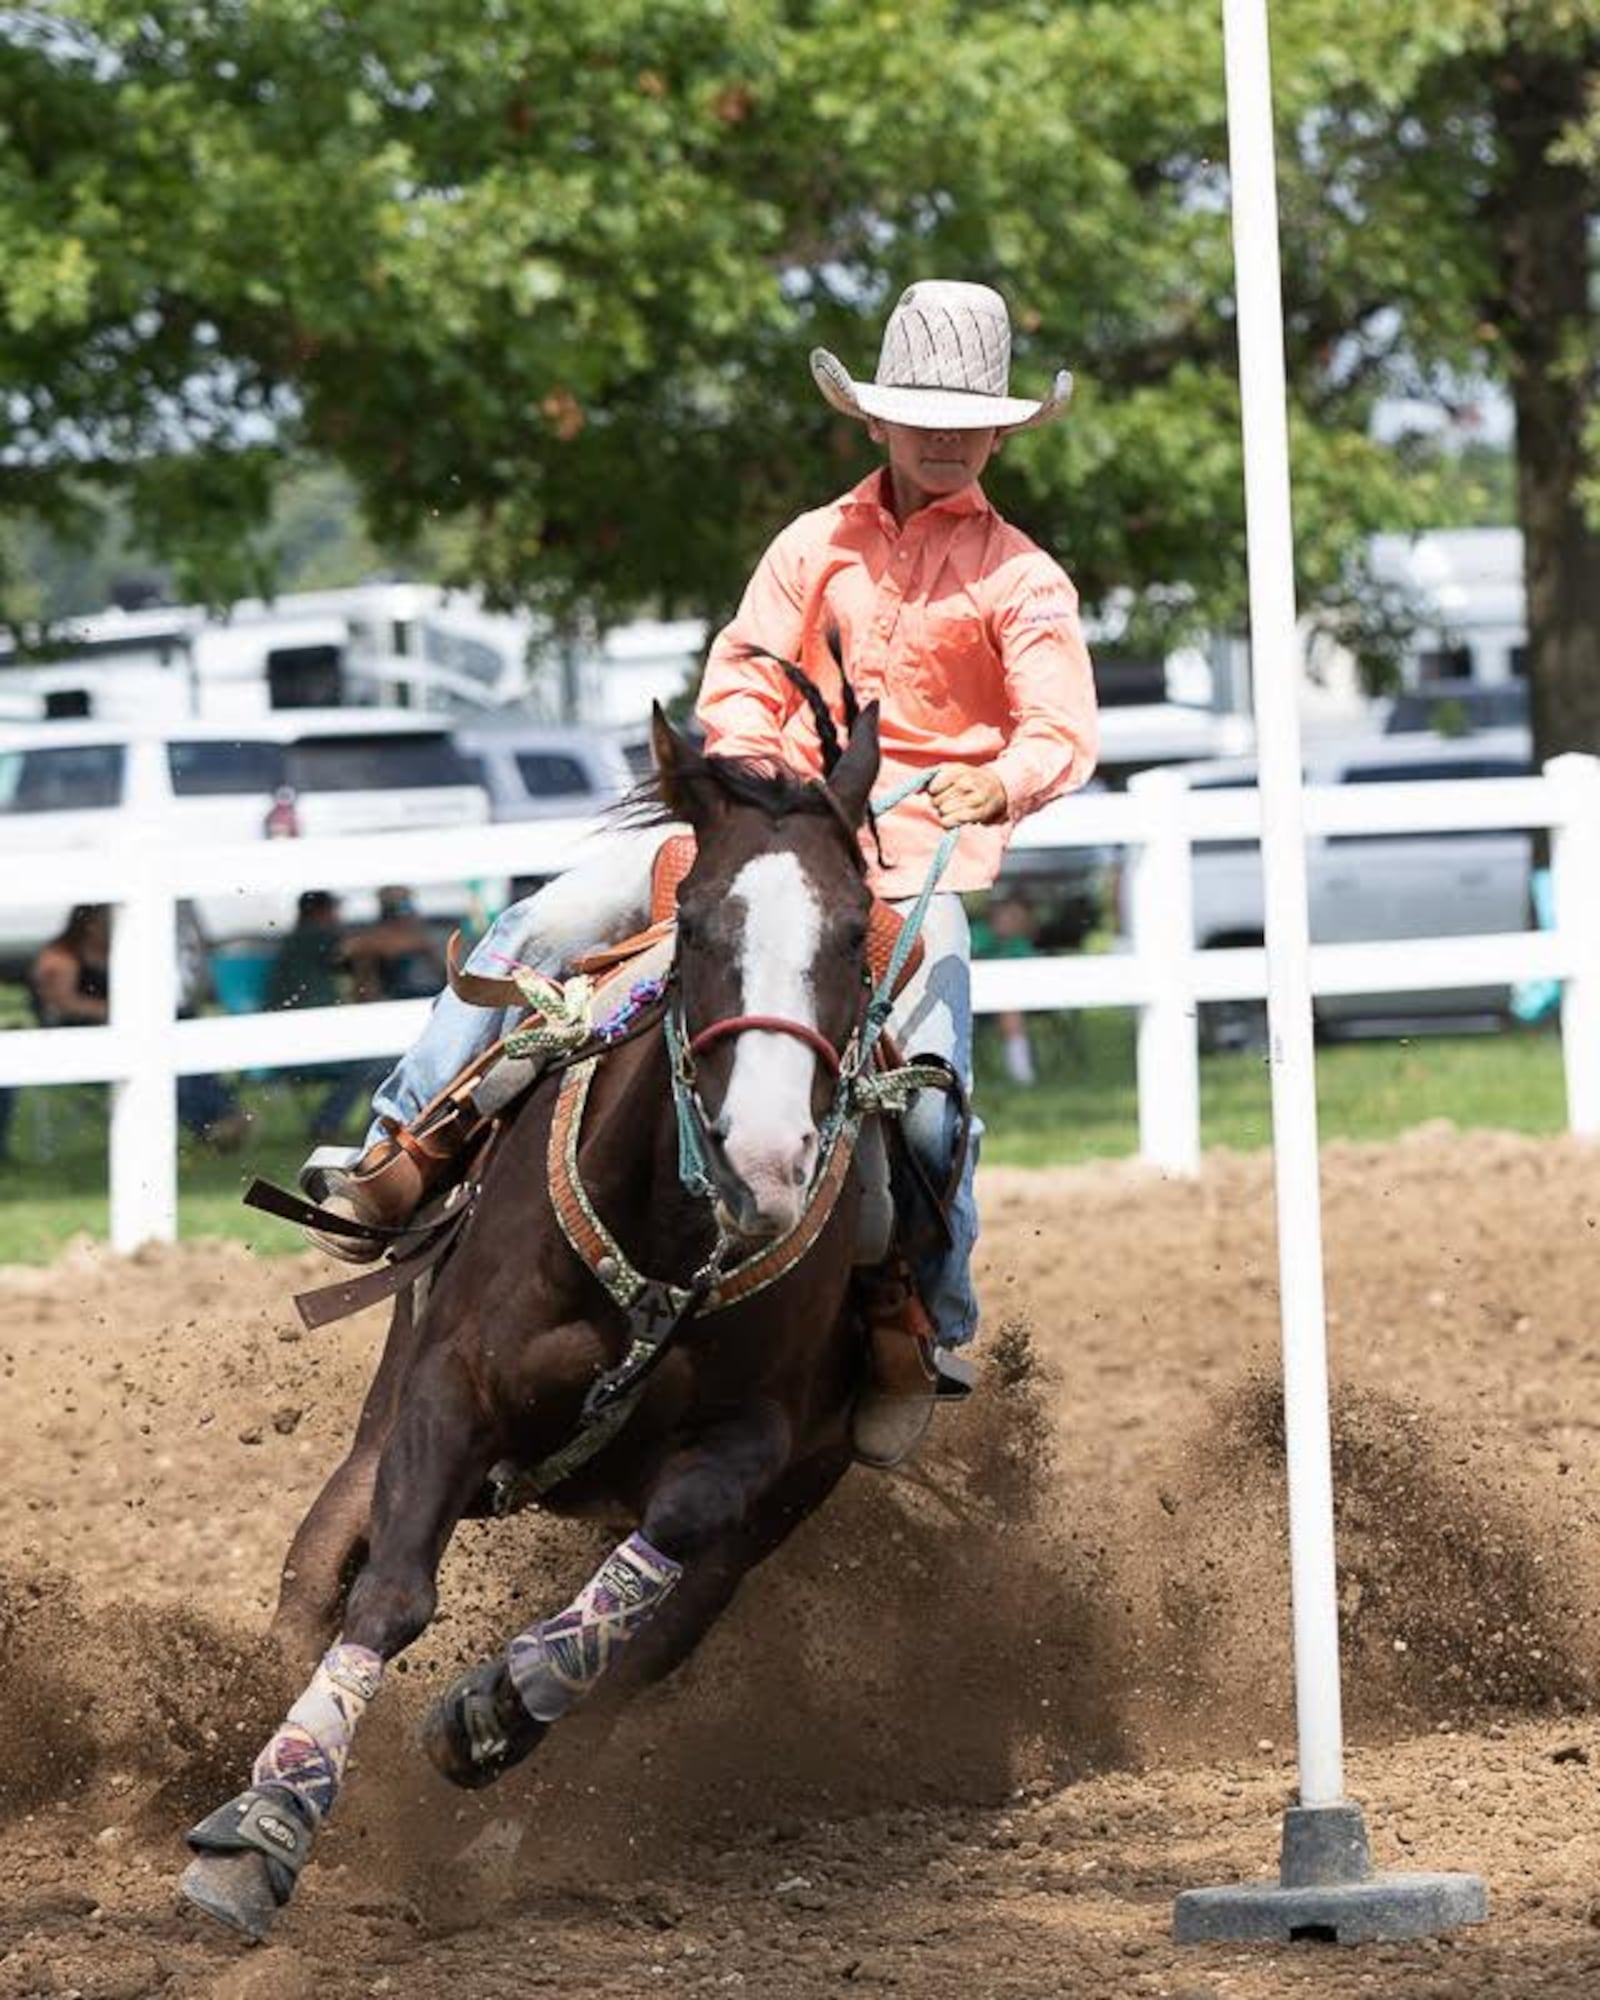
(965, 633)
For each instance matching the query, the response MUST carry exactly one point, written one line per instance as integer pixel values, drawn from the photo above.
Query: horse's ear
(680, 769)
(856, 772)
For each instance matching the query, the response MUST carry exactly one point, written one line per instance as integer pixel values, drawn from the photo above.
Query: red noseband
(770, 1024)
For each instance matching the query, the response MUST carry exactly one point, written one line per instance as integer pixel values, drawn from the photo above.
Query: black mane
(772, 788)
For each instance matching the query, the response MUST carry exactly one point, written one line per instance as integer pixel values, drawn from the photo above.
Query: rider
(967, 636)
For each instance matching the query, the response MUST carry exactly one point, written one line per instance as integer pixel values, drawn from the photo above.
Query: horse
(734, 1429)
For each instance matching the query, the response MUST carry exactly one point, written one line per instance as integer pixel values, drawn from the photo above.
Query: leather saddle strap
(479, 989)
(605, 956)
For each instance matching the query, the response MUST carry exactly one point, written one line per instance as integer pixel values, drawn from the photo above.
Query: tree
(1441, 203)
(549, 274)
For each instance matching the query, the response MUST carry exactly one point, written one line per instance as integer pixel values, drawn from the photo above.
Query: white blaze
(771, 1143)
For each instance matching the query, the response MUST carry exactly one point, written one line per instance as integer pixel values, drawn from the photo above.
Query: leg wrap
(555, 1663)
(307, 1756)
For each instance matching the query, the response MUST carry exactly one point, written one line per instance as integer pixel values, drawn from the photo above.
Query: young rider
(967, 636)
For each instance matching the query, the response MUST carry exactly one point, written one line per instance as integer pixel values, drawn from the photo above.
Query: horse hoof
(478, 1729)
(233, 1888)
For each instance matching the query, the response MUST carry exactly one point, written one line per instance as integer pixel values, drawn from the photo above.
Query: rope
(892, 1090)
(562, 1012)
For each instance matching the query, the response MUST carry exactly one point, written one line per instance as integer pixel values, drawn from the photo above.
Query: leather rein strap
(592, 1242)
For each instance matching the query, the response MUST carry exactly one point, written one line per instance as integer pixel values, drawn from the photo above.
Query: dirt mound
(975, 1723)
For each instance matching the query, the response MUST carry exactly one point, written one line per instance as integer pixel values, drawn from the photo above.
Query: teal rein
(878, 1007)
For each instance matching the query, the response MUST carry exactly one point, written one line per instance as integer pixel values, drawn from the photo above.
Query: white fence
(1160, 974)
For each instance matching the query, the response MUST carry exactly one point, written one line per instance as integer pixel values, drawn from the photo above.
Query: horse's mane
(772, 788)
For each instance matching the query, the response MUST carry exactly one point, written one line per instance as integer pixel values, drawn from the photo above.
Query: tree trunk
(1544, 232)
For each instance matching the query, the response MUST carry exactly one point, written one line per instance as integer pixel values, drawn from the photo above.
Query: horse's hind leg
(331, 1542)
(250, 1852)
(701, 1519)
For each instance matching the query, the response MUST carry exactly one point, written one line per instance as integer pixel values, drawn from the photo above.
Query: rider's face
(930, 465)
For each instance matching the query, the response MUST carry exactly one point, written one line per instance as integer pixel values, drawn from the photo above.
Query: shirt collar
(873, 492)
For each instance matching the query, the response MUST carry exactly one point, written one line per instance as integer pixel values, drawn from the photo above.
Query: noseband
(768, 1024)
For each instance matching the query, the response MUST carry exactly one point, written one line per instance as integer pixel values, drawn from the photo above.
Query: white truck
(1371, 886)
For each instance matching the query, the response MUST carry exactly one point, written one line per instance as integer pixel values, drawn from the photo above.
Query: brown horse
(735, 1431)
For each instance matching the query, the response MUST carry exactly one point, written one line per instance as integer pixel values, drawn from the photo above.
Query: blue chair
(1532, 999)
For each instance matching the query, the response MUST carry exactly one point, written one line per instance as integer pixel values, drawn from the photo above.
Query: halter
(854, 1094)
(694, 1126)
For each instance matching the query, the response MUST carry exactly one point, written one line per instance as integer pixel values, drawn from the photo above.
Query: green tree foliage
(1451, 165)
(547, 275)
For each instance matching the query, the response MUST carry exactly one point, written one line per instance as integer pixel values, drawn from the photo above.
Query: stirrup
(385, 1194)
(323, 1171)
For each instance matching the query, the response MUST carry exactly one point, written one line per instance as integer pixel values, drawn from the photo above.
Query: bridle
(696, 1138)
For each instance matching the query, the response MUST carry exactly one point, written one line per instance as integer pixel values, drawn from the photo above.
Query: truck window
(216, 769)
(77, 777)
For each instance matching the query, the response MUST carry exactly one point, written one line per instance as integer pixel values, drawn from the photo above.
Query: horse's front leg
(249, 1853)
(493, 1715)
(332, 1540)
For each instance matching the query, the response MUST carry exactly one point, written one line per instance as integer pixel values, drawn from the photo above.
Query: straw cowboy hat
(945, 366)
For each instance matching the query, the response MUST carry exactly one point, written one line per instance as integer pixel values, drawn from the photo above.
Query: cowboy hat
(945, 366)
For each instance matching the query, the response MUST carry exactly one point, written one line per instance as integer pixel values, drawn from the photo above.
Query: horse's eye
(852, 936)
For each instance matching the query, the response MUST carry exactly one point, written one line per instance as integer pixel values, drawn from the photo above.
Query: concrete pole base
(1327, 1892)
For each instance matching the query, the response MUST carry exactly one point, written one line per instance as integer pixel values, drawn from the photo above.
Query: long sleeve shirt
(961, 628)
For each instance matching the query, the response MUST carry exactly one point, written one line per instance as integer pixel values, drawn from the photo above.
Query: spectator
(311, 970)
(1008, 931)
(71, 982)
(398, 957)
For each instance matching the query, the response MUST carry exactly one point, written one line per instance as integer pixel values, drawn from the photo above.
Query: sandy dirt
(969, 1732)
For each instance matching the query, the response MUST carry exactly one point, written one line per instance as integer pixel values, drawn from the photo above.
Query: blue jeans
(933, 1016)
(606, 898)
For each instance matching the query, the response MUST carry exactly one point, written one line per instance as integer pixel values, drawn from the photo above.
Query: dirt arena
(967, 1735)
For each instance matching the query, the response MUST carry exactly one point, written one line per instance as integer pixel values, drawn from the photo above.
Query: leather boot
(893, 1411)
(388, 1183)
(384, 1186)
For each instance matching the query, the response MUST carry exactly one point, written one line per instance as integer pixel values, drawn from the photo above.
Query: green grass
(54, 1185)
(1084, 1108)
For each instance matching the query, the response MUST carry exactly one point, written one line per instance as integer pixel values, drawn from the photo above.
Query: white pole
(1275, 676)
(144, 993)
(1574, 870)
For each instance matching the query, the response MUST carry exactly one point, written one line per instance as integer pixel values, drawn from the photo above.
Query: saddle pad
(674, 859)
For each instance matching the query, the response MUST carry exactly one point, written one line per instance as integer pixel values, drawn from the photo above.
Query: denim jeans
(933, 1016)
(606, 898)
(601, 899)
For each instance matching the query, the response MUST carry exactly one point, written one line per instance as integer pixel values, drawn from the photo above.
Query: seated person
(398, 957)
(71, 983)
(309, 970)
(1006, 930)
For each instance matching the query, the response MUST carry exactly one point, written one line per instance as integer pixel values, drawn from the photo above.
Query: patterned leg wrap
(307, 1756)
(555, 1663)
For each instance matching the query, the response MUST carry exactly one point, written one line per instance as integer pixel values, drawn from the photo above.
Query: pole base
(1326, 1891)
(1382, 1908)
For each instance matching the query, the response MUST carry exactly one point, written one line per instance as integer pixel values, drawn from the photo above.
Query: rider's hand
(964, 795)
